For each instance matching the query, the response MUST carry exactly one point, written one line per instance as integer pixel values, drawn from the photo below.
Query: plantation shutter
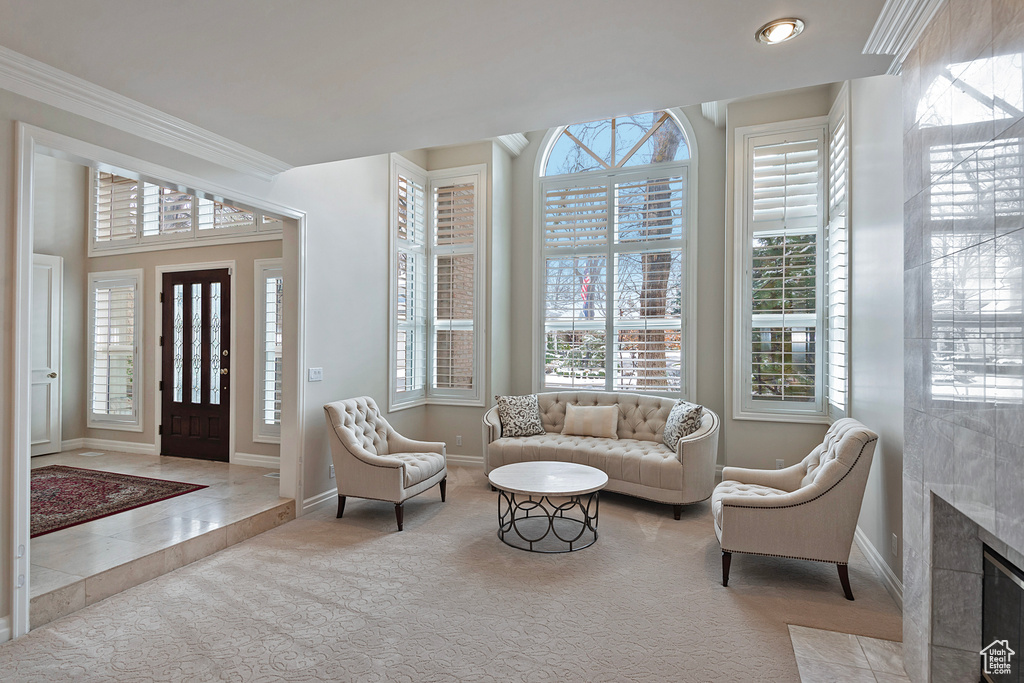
(454, 276)
(613, 283)
(576, 250)
(786, 184)
(211, 215)
(115, 305)
(165, 211)
(837, 240)
(116, 208)
(410, 285)
(273, 338)
(784, 218)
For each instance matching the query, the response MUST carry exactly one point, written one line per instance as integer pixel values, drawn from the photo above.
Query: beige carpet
(445, 600)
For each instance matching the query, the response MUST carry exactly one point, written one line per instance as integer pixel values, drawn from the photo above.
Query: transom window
(130, 215)
(613, 229)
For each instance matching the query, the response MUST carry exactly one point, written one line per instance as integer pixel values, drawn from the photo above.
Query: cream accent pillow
(592, 421)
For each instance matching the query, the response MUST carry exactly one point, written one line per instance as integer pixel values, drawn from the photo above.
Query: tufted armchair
(808, 511)
(372, 460)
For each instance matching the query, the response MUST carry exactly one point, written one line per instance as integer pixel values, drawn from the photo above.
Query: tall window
(128, 214)
(437, 241)
(115, 317)
(781, 212)
(269, 288)
(838, 259)
(613, 230)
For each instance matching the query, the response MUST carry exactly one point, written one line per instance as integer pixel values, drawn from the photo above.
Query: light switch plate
(458, 440)
(316, 374)
(780, 463)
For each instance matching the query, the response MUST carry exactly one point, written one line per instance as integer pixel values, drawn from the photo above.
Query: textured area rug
(64, 496)
(325, 599)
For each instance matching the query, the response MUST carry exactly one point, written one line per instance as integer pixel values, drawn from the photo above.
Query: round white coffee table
(540, 524)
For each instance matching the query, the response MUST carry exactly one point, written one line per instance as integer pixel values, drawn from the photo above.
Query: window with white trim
(269, 318)
(615, 208)
(114, 338)
(128, 213)
(837, 242)
(781, 285)
(437, 236)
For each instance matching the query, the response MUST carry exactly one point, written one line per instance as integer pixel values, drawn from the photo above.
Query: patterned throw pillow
(682, 421)
(519, 415)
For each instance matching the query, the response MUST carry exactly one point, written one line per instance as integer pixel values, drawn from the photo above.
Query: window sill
(116, 426)
(792, 418)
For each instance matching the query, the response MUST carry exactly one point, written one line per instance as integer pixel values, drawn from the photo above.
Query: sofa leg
(341, 506)
(844, 578)
(399, 510)
(726, 563)
(444, 488)
(677, 511)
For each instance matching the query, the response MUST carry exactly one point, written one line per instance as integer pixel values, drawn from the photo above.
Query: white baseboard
(311, 503)
(254, 460)
(891, 581)
(109, 445)
(467, 460)
(5, 629)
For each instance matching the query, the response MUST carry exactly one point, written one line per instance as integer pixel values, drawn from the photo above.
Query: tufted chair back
(835, 455)
(359, 424)
(641, 417)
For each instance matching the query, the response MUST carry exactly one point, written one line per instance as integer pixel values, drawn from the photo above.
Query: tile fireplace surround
(963, 471)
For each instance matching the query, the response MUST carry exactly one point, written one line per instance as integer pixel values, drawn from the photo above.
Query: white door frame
(29, 141)
(55, 322)
(158, 325)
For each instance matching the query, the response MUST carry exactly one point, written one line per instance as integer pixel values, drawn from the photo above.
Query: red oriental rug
(67, 496)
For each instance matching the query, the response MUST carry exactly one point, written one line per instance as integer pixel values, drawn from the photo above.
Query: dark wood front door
(196, 385)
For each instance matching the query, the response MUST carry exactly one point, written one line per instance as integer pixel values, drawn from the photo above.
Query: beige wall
(61, 208)
(876, 300)
(758, 443)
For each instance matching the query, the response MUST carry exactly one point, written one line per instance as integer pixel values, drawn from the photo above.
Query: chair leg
(341, 506)
(493, 487)
(399, 510)
(444, 488)
(726, 563)
(677, 511)
(844, 578)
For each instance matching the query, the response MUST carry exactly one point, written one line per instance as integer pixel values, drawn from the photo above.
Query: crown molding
(513, 143)
(41, 82)
(899, 27)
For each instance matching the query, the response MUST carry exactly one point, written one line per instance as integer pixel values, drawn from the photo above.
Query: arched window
(614, 217)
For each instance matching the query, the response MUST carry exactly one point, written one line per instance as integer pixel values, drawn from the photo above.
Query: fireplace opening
(1001, 619)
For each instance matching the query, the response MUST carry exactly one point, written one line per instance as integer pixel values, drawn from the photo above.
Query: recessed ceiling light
(779, 31)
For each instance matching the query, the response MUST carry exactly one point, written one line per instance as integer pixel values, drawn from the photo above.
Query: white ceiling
(309, 81)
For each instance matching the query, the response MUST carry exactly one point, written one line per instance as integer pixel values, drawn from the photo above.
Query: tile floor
(79, 565)
(831, 657)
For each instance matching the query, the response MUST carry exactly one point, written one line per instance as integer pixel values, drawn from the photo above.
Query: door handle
(52, 375)
(224, 371)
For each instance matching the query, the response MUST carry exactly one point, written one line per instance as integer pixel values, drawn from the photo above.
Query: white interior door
(47, 302)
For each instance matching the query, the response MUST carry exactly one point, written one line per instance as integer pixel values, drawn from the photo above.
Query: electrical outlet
(332, 471)
(458, 440)
(316, 374)
(894, 545)
(780, 463)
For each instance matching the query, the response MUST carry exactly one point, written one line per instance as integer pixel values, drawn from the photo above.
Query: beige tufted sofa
(372, 460)
(808, 511)
(638, 463)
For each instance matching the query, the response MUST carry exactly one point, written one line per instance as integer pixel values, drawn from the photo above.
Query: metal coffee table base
(540, 525)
